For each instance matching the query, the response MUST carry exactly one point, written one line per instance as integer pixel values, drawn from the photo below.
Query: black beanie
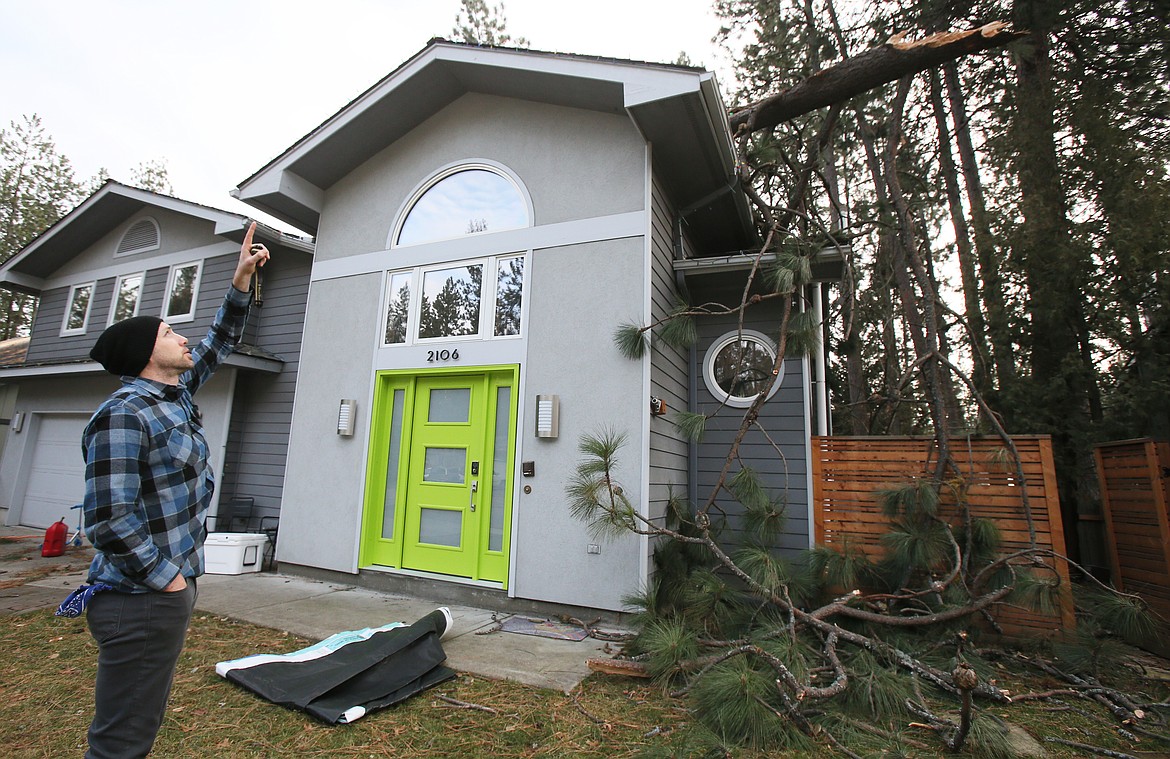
(125, 347)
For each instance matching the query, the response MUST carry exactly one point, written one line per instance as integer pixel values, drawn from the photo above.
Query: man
(147, 488)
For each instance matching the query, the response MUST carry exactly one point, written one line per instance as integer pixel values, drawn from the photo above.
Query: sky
(215, 89)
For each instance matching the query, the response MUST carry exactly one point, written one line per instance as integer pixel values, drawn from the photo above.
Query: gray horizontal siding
(782, 472)
(262, 409)
(669, 367)
(47, 345)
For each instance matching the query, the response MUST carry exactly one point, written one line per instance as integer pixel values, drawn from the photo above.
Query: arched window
(738, 366)
(464, 201)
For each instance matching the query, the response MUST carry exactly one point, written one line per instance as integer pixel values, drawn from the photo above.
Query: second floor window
(469, 200)
(127, 291)
(77, 309)
(474, 299)
(182, 291)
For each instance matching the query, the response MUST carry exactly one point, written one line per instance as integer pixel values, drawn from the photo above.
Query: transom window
(465, 201)
(77, 309)
(738, 366)
(472, 299)
(127, 292)
(182, 292)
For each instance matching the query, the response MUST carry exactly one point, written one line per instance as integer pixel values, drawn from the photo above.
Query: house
(124, 252)
(485, 220)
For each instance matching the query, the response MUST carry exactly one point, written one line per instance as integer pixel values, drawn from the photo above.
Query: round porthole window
(738, 367)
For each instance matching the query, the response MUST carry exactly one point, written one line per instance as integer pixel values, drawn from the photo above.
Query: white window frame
(491, 319)
(487, 300)
(190, 315)
(411, 313)
(416, 301)
(118, 289)
(66, 330)
(722, 342)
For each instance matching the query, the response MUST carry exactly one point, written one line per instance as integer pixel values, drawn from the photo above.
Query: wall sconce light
(548, 416)
(345, 415)
(17, 422)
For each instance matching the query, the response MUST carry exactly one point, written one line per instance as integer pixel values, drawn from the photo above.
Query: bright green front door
(439, 486)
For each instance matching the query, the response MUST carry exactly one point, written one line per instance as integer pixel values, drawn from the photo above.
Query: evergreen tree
(152, 175)
(477, 23)
(37, 187)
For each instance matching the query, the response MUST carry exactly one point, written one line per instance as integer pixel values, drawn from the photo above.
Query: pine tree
(153, 176)
(37, 187)
(476, 23)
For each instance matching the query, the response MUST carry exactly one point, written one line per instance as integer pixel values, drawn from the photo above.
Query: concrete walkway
(315, 610)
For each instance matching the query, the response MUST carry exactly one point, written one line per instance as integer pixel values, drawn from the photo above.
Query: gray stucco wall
(177, 232)
(575, 165)
(571, 353)
(322, 501)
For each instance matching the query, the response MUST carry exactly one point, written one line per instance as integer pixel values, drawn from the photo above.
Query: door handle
(474, 488)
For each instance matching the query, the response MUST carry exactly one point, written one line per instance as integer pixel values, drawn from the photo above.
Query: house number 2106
(443, 355)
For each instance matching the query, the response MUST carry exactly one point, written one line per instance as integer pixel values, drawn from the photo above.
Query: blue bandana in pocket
(76, 602)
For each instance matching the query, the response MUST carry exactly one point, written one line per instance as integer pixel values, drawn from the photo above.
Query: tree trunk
(937, 388)
(1053, 269)
(976, 329)
(999, 333)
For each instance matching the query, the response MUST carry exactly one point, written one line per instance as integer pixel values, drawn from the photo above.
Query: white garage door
(56, 476)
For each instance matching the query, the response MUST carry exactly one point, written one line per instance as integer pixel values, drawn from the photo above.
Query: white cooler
(234, 553)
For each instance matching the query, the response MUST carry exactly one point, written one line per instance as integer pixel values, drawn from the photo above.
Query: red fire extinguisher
(54, 544)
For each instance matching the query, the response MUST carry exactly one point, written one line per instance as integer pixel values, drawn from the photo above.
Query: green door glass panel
(499, 472)
(392, 458)
(447, 465)
(450, 405)
(440, 527)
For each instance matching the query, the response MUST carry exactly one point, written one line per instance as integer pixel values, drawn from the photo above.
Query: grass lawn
(46, 700)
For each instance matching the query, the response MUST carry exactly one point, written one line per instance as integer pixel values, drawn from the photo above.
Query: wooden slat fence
(848, 473)
(1135, 494)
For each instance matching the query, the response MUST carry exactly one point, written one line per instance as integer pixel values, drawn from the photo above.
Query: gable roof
(677, 108)
(96, 216)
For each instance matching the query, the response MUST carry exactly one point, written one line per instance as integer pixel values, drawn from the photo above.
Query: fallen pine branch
(619, 667)
(1091, 749)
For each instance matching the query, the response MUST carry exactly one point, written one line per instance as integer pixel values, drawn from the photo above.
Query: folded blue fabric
(76, 602)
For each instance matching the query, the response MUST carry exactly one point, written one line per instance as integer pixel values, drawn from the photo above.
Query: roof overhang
(99, 214)
(730, 272)
(256, 362)
(678, 109)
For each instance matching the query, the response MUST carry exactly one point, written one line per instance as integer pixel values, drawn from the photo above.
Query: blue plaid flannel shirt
(148, 482)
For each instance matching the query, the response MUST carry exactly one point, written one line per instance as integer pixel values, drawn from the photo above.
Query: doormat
(545, 628)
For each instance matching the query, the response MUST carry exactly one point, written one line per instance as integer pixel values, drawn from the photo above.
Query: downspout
(820, 387)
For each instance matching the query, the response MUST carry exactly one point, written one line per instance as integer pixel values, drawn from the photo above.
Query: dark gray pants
(139, 637)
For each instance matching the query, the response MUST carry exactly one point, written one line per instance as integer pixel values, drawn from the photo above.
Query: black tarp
(350, 674)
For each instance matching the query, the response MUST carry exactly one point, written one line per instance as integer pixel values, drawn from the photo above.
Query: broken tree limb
(619, 667)
(853, 76)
